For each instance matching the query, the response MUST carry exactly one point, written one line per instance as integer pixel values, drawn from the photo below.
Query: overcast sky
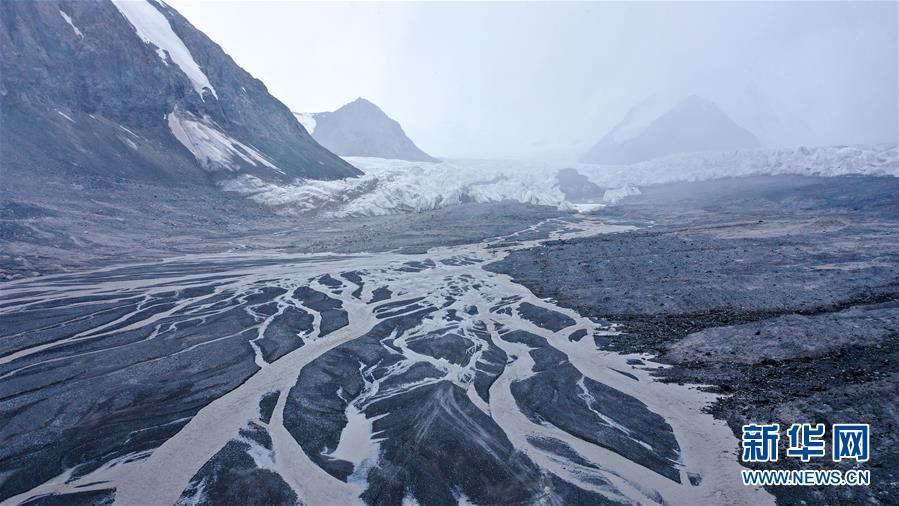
(519, 79)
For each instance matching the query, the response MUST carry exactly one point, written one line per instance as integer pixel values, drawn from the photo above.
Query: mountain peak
(654, 128)
(362, 104)
(361, 128)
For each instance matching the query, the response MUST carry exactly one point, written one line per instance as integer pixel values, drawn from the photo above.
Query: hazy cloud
(520, 79)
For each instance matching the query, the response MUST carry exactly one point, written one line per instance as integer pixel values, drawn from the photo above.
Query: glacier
(398, 186)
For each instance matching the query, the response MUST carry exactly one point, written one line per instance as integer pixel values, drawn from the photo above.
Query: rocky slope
(649, 131)
(361, 128)
(131, 90)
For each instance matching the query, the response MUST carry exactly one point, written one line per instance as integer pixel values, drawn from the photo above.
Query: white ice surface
(880, 159)
(616, 194)
(153, 28)
(394, 186)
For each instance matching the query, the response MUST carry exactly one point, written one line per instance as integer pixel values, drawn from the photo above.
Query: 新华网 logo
(849, 441)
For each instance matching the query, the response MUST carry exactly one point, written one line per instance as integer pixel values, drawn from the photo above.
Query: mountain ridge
(361, 128)
(650, 130)
(133, 90)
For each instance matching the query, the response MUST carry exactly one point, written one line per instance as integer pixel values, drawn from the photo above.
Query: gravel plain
(780, 293)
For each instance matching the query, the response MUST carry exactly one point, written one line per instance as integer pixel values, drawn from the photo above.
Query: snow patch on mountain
(214, 149)
(64, 115)
(396, 186)
(69, 21)
(153, 28)
(307, 120)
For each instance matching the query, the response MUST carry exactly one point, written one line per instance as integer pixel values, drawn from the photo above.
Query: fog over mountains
(132, 90)
(792, 73)
(361, 128)
(649, 131)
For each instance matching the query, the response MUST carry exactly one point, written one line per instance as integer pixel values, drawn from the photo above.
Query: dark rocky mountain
(695, 124)
(131, 90)
(361, 128)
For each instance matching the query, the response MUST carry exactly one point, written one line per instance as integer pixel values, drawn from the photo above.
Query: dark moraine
(233, 477)
(749, 285)
(332, 316)
(545, 318)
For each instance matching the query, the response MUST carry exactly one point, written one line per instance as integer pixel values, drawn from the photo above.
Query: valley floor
(485, 353)
(83, 223)
(781, 293)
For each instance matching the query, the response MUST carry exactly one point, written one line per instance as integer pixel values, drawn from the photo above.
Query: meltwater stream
(339, 379)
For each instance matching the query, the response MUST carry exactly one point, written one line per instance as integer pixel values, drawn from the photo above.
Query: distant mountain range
(653, 129)
(130, 89)
(361, 128)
